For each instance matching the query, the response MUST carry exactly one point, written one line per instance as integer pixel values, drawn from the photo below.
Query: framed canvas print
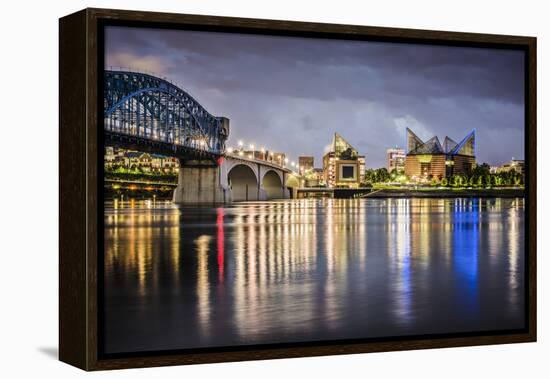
(238, 189)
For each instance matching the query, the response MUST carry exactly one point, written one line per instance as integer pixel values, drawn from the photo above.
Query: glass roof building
(431, 159)
(343, 167)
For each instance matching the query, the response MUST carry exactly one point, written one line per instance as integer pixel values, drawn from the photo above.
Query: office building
(395, 159)
(517, 165)
(305, 164)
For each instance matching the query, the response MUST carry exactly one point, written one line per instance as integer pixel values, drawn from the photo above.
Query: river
(312, 269)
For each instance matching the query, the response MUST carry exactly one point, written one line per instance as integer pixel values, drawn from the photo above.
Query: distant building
(342, 165)
(318, 173)
(109, 158)
(432, 160)
(115, 158)
(305, 164)
(517, 165)
(314, 178)
(164, 163)
(395, 159)
(137, 160)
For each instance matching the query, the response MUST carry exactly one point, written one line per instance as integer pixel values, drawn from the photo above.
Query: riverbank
(446, 193)
(117, 189)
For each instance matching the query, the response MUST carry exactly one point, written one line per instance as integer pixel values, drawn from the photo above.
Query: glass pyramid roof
(343, 149)
(413, 142)
(449, 144)
(416, 146)
(467, 146)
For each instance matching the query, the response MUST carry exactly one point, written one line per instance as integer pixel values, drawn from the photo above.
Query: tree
(385, 175)
(382, 175)
(379, 175)
(454, 180)
(396, 172)
(369, 175)
(480, 181)
(348, 154)
(482, 169)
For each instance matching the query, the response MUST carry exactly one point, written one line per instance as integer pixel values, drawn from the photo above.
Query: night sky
(291, 94)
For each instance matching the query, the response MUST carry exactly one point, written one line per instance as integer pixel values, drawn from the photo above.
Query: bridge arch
(243, 183)
(273, 185)
(292, 181)
(144, 110)
(292, 184)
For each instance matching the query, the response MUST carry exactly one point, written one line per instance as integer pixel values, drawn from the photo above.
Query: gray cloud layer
(292, 94)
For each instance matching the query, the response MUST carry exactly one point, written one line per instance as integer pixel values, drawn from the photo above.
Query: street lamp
(240, 144)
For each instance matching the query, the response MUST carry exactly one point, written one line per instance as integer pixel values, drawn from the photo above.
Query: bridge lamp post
(240, 145)
(252, 149)
(286, 161)
(263, 153)
(230, 150)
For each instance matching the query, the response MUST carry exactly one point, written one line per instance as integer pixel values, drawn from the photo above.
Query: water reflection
(465, 258)
(310, 269)
(203, 284)
(399, 251)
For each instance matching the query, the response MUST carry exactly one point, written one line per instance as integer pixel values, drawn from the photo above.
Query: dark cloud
(292, 94)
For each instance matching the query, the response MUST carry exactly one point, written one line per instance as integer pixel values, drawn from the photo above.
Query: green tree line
(480, 176)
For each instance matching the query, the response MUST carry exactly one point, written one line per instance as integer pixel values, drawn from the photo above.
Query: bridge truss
(144, 112)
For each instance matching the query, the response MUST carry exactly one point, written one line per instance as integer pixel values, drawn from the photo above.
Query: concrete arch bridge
(232, 179)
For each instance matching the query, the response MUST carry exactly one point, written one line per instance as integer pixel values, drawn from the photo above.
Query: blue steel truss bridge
(147, 113)
(150, 114)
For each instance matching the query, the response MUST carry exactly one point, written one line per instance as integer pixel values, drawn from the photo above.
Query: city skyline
(290, 94)
(247, 199)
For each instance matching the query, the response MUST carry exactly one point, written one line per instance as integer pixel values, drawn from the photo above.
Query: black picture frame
(81, 174)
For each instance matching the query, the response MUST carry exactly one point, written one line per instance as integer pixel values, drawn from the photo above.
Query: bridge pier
(230, 179)
(199, 183)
